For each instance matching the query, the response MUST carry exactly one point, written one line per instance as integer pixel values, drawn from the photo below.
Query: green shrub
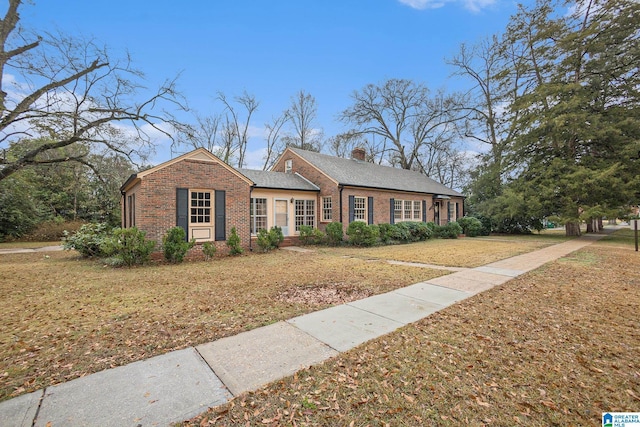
(263, 240)
(450, 231)
(88, 240)
(335, 233)
(471, 226)
(361, 234)
(208, 250)
(386, 233)
(419, 231)
(233, 242)
(128, 245)
(174, 245)
(276, 237)
(271, 239)
(311, 236)
(401, 233)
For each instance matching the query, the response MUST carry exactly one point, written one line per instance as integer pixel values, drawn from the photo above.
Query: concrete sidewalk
(179, 385)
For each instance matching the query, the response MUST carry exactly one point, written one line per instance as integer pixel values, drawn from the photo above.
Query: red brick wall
(156, 197)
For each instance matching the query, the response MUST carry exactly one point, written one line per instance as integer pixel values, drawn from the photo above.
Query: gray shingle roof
(278, 180)
(364, 174)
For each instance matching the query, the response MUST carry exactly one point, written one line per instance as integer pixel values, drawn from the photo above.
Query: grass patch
(557, 346)
(28, 245)
(623, 236)
(64, 317)
(465, 252)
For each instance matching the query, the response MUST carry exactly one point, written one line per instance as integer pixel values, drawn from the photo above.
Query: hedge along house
(206, 197)
(356, 190)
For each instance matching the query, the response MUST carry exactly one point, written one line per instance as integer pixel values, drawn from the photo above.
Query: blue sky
(273, 49)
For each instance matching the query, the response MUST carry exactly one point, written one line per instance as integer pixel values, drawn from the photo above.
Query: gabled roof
(356, 173)
(278, 180)
(200, 154)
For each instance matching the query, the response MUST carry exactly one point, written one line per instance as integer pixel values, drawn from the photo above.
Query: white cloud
(471, 5)
(477, 5)
(424, 4)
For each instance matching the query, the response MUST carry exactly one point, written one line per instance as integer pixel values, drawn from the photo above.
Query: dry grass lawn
(63, 317)
(464, 252)
(555, 347)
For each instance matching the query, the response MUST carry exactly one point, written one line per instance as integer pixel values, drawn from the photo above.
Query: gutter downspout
(341, 187)
(123, 220)
(250, 191)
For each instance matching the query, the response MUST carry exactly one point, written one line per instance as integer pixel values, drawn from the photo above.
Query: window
(397, 210)
(200, 207)
(305, 213)
(288, 166)
(258, 215)
(452, 211)
(359, 209)
(327, 212)
(417, 210)
(408, 209)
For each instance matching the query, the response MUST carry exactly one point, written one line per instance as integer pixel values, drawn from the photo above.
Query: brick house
(207, 197)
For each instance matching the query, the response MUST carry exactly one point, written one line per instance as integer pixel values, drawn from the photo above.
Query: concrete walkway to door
(182, 384)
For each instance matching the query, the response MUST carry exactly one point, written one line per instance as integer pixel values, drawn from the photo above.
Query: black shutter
(448, 211)
(352, 203)
(182, 210)
(221, 216)
(370, 210)
(424, 211)
(392, 211)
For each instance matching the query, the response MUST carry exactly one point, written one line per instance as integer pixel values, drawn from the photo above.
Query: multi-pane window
(327, 212)
(305, 213)
(417, 210)
(407, 210)
(452, 211)
(288, 166)
(359, 209)
(200, 211)
(397, 210)
(258, 215)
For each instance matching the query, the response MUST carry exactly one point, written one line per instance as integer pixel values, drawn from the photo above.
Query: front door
(281, 219)
(436, 213)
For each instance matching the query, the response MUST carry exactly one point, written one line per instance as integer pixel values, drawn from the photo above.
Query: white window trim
(325, 209)
(308, 214)
(403, 204)
(357, 210)
(252, 218)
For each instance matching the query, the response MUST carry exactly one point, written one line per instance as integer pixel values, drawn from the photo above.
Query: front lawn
(555, 347)
(65, 317)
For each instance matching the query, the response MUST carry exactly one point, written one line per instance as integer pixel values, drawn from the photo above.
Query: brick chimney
(358, 153)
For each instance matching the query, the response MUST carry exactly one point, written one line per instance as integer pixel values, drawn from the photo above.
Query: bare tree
(496, 83)
(69, 91)
(236, 127)
(204, 133)
(273, 140)
(404, 116)
(225, 134)
(302, 114)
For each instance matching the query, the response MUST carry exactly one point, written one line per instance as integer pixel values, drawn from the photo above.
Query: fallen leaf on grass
(632, 394)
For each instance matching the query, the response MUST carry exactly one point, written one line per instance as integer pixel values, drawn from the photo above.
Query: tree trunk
(572, 229)
(600, 224)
